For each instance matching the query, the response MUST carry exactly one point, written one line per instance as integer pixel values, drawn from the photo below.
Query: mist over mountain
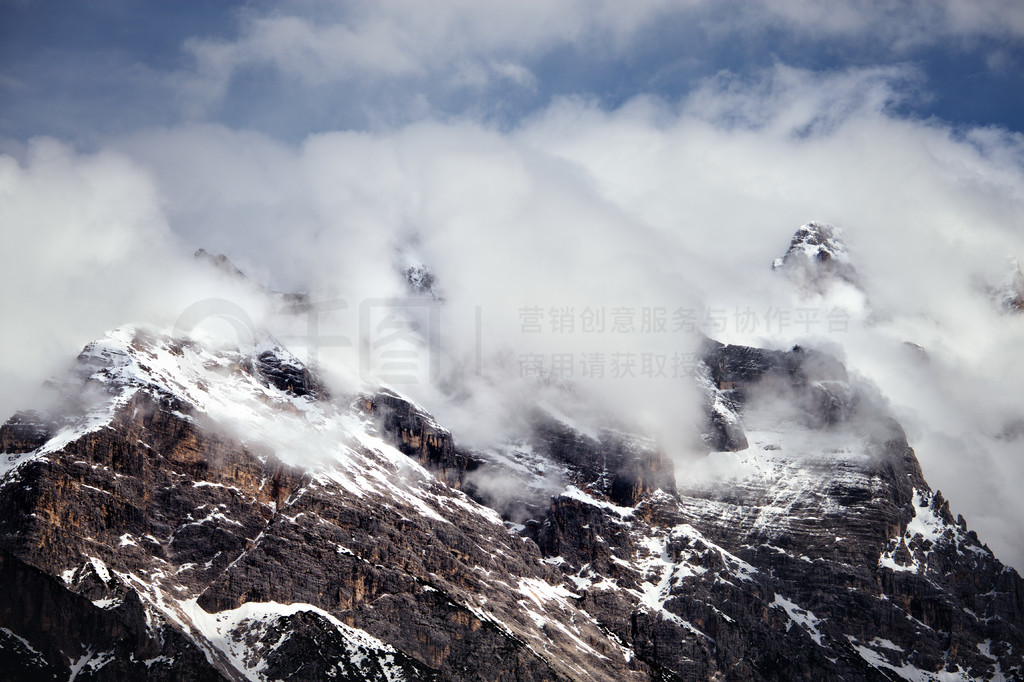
(563, 340)
(198, 502)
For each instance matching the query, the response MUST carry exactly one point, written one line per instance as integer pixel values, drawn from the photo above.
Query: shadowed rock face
(416, 434)
(620, 467)
(24, 432)
(288, 375)
(815, 383)
(151, 537)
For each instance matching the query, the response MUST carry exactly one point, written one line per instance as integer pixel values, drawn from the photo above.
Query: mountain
(293, 302)
(1009, 295)
(177, 511)
(818, 259)
(194, 514)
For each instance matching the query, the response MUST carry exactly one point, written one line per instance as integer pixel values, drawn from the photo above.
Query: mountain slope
(186, 513)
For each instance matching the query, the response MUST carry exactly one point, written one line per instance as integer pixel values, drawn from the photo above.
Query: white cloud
(463, 43)
(929, 214)
(899, 26)
(654, 203)
(88, 249)
(66, 222)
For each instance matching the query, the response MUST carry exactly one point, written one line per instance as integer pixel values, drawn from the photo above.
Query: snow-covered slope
(253, 500)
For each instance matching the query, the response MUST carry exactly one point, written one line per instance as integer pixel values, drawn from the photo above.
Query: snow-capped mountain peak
(818, 258)
(218, 512)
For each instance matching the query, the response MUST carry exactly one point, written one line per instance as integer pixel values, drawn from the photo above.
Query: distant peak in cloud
(221, 262)
(291, 302)
(1010, 294)
(421, 281)
(817, 258)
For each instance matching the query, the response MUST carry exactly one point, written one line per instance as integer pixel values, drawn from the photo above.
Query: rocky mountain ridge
(204, 514)
(183, 512)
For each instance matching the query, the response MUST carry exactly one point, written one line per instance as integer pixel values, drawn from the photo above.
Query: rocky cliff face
(194, 514)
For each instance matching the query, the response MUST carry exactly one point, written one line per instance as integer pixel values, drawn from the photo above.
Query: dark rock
(824, 563)
(618, 466)
(416, 434)
(421, 281)
(288, 374)
(24, 432)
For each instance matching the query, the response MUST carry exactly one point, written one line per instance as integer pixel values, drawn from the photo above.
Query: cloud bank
(465, 44)
(661, 203)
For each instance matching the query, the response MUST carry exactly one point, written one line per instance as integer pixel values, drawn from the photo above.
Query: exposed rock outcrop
(215, 517)
(413, 431)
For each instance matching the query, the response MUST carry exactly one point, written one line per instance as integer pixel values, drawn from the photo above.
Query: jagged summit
(421, 281)
(292, 302)
(221, 262)
(414, 268)
(817, 256)
(816, 241)
(1009, 296)
(215, 514)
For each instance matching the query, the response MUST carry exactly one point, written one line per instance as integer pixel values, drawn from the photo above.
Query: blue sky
(85, 71)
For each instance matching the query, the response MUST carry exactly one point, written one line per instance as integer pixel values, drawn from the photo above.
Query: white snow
(806, 619)
(577, 494)
(23, 641)
(89, 662)
(107, 603)
(888, 560)
(11, 461)
(541, 592)
(661, 574)
(229, 632)
(101, 569)
(925, 530)
(925, 522)
(907, 671)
